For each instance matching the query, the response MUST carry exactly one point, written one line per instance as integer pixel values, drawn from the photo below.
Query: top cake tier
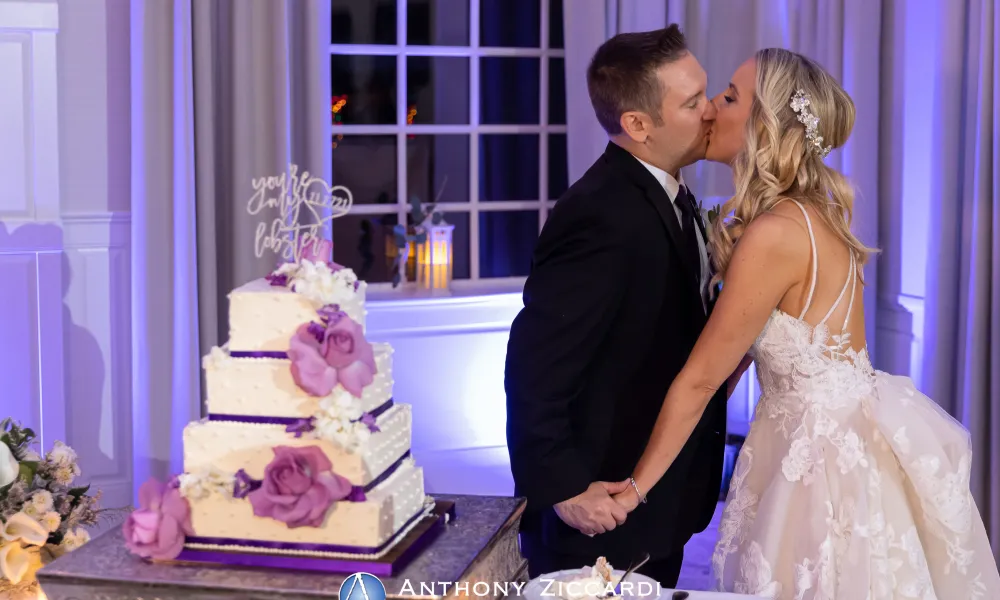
(265, 313)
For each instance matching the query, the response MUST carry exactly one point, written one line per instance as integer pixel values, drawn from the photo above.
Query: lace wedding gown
(851, 485)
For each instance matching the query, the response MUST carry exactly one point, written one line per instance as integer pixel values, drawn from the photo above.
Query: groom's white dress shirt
(672, 187)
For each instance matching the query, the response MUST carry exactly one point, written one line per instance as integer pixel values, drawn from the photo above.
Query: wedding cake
(303, 452)
(299, 401)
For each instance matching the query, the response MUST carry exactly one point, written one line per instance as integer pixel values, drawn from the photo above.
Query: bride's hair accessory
(800, 104)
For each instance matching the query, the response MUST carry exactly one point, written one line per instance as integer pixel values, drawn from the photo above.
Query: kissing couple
(639, 318)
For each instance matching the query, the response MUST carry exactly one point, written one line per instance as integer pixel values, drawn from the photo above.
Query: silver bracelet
(642, 499)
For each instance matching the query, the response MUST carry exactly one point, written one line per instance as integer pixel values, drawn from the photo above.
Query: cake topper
(305, 205)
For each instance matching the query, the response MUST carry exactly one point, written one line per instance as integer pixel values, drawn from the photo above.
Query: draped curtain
(222, 91)
(961, 366)
(508, 164)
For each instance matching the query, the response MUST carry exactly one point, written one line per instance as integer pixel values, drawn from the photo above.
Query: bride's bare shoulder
(780, 233)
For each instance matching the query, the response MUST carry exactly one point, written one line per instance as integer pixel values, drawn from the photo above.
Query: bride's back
(830, 290)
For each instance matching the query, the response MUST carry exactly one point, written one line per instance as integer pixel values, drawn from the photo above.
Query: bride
(851, 485)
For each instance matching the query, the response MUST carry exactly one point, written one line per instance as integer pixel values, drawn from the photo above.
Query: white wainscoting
(66, 340)
(64, 330)
(449, 364)
(97, 337)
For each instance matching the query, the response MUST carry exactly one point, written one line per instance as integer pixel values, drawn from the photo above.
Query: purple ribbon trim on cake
(385, 474)
(293, 424)
(244, 485)
(287, 421)
(258, 354)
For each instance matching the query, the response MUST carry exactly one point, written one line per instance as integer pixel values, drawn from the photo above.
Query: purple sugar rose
(334, 352)
(298, 488)
(157, 529)
(310, 371)
(349, 352)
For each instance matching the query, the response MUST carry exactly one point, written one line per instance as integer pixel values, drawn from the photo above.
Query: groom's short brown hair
(622, 74)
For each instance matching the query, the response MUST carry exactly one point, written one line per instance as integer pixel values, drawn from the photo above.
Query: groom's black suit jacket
(612, 309)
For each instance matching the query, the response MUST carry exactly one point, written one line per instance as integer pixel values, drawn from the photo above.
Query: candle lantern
(435, 257)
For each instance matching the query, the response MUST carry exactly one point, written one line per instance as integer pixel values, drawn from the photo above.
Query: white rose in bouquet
(8, 465)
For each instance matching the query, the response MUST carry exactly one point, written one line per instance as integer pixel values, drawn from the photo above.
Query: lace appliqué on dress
(848, 481)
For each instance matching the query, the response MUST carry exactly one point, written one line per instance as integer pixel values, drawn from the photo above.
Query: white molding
(453, 51)
(33, 26)
(473, 127)
(75, 230)
(29, 16)
(97, 230)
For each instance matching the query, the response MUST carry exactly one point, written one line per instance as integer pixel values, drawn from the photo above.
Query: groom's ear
(635, 125)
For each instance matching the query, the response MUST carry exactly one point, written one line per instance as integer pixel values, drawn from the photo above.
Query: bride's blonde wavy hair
(778, 162)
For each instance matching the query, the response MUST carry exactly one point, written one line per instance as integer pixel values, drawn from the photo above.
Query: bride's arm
(767, 262)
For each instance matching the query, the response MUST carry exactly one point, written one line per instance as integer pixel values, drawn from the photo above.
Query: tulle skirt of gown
(855, 499)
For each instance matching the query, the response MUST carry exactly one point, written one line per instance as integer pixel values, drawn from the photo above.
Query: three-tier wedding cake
(303, 447)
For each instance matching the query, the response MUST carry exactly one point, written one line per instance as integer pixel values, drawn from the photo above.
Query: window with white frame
(458, 102)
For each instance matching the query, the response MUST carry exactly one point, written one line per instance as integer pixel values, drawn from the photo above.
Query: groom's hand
(593, 511)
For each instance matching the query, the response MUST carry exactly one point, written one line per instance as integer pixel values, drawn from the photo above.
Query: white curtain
(222, 91)
(962, 322)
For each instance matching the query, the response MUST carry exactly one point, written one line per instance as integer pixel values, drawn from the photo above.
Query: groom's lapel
(657, 196)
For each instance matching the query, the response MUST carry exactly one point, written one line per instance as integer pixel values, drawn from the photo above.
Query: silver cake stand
(478, 546)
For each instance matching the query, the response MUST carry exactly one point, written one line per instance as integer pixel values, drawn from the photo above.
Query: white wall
(449, 363)
(64, 337)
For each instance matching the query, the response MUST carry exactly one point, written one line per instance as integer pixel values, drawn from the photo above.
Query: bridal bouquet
(42, 516)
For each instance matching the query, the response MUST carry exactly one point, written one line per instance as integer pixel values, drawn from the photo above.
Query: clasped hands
(602, 507)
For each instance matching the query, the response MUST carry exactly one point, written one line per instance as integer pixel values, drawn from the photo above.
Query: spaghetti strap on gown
(851, 485)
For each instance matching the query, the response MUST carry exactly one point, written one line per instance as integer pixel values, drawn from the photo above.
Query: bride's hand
(627, 499)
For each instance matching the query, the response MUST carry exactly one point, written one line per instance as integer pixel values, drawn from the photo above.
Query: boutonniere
(713, 215)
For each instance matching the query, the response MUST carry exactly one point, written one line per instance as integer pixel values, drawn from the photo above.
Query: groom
(618, 293)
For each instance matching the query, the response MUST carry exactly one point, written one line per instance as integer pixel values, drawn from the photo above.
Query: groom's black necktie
(685, 202)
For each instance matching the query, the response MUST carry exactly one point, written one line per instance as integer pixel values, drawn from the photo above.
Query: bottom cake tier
(354, 529)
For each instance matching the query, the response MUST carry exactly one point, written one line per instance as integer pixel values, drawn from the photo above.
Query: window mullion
(543, 112)
(474, 141)
(402, 207)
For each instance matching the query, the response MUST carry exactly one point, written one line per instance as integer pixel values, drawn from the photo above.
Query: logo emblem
(362, 586)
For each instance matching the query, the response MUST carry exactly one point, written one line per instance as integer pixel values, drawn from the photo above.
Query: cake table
(479, 545)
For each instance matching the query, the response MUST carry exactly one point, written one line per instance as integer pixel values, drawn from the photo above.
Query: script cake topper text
(305, 205)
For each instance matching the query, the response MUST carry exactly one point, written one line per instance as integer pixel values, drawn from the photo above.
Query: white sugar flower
(340, 404)
(214, 359)
(203, 484)
(323, 286)
(288, 269)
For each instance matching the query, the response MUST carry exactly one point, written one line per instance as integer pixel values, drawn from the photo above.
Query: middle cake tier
(263, 387)
(227, 447)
